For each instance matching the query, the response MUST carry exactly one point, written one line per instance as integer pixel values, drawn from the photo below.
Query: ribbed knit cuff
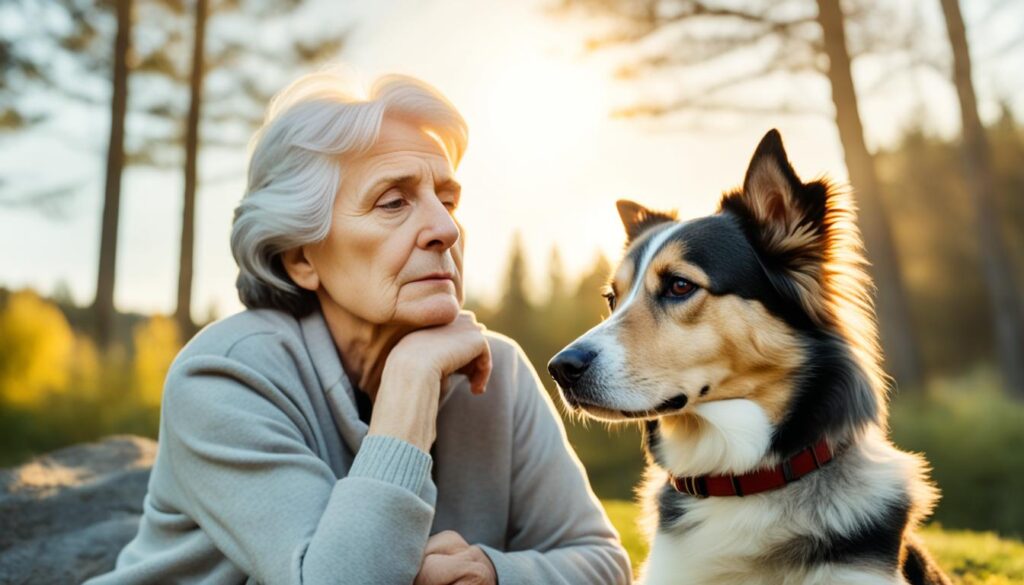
(505, 568)
(393, 461)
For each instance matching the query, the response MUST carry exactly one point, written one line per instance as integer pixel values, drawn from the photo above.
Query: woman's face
(394, 252)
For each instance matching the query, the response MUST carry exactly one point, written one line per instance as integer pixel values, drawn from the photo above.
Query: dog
(745, 342)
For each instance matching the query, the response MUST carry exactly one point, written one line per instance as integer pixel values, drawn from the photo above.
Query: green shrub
(973, 436)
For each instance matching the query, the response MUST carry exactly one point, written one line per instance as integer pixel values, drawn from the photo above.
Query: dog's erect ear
(775, 195)
(785, 219)
(637, 219)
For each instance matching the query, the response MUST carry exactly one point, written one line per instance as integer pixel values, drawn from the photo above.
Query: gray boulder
(67, 514)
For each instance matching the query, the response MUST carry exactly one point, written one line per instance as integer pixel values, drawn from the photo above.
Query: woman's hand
(449, 560)
(406, 403)
(439, 351)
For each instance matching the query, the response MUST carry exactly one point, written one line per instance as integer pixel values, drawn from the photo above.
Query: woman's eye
(392, 204)
(680, 287)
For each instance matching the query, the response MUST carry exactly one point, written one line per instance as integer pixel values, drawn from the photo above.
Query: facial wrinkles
(423, 177)
(373, 244)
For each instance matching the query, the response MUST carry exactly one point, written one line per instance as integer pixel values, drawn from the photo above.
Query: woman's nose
(440, 230)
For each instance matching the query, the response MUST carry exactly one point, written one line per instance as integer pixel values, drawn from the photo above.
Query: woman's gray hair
(296, 169)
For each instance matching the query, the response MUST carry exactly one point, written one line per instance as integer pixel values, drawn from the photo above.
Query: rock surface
(66, 515)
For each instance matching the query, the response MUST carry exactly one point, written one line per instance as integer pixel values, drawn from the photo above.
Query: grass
(970, 558)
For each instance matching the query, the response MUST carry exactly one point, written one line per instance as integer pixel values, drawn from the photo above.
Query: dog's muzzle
(569, 365)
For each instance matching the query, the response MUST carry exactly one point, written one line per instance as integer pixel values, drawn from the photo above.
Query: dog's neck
(722, 437)
(833, 398)
(727, 437)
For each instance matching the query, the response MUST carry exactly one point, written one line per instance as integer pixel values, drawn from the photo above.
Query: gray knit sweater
(264, 473)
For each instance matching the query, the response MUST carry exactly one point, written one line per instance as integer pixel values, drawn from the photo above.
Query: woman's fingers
(478, 370)
(450, 560)
(457, 569)
(481, 371)
(447, 542)
(437, 570)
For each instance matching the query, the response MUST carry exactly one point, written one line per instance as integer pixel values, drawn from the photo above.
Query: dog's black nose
(569, 365)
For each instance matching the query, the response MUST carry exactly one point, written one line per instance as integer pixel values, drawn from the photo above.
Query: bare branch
(645, 29)
(693, 105)
(698, 51)
(52, 203)
(706, 98)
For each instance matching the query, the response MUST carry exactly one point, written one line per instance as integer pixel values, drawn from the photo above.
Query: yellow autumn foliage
(36, 349)
(157, 341)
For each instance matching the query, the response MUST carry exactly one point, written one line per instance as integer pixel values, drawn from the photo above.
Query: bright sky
(544, 158)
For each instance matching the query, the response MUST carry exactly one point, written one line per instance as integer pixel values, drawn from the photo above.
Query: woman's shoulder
(253, 337)
(221, 336)
(256, 351)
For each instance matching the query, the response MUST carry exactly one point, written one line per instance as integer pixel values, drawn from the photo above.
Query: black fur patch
(877, 543)
(670, 507)
(831, 396)
(652, 440)
(718, 245)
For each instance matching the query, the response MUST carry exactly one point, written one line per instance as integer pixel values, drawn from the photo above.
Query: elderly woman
(353, 425)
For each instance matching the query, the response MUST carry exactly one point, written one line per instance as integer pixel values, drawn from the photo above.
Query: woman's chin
(430, 312)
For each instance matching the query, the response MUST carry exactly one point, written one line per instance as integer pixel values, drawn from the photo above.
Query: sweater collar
(334, 381)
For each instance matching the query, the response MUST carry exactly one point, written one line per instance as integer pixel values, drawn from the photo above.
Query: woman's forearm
(374, 528)
(406, 405)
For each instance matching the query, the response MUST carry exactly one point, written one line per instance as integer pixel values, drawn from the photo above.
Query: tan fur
(733, 345)
(771, 200)
(623, 274)
(828, 269)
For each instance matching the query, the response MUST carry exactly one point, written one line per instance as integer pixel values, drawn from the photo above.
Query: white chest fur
(724, 542)
(731, 540)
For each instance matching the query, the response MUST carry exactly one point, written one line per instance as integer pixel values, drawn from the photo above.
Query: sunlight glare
(542, 107)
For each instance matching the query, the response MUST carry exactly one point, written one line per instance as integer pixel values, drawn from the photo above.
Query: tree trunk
(1007, 312)
(897, 334)
(103, 305)
(183, 312)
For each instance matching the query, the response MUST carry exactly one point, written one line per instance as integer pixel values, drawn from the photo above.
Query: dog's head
(729, 306)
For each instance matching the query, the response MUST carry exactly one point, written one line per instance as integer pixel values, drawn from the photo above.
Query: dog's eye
(680, 287)
(610, 297)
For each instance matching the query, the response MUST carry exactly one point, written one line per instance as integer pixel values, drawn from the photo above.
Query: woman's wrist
(406, 405)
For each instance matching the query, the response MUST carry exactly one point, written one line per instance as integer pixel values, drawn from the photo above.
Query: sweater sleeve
(558, 533)
(270, 504)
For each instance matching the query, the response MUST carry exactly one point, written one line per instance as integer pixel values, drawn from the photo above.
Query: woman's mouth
(436, 277)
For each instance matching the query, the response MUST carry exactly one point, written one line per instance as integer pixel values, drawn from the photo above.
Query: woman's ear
(297, 264)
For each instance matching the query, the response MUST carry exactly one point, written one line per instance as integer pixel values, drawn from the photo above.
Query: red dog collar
(762, 480)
